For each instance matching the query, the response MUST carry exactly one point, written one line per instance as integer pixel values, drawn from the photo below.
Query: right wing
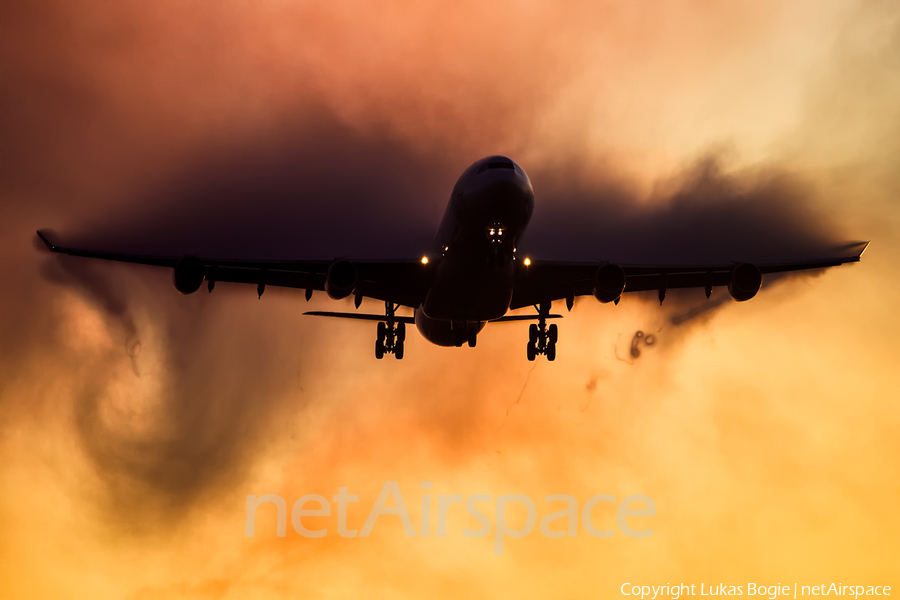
(545, 281)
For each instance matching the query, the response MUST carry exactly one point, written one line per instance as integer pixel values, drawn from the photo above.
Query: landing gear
(551, 351)
(465, 333)
(391, 334)
(541, 339)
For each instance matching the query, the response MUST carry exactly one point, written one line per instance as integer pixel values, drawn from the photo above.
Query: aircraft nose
(503, 199)
(504, 191)
(506, 182)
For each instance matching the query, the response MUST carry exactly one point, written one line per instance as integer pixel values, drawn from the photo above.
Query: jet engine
(341, 279)
(745, 281)
(188, 275)
(609, 283)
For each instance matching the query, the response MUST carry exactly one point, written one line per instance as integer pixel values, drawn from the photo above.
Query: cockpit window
(497, 164)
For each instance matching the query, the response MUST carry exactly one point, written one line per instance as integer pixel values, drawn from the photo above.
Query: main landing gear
(391, 334)
(542, 339)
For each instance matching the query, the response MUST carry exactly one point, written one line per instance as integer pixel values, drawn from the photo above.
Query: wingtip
(47, 243)
(865, 245)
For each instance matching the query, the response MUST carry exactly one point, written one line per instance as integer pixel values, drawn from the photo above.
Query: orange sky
(134, 422)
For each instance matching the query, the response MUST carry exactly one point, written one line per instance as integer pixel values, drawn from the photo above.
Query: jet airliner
(473, 275)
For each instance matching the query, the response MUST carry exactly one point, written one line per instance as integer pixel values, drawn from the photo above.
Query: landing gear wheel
(551, 352)
(542, 339)
(473, 337)
(391, 333)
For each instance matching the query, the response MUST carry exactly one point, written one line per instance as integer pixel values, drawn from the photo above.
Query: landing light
(495, 233)
(424, 260)
(527, 261)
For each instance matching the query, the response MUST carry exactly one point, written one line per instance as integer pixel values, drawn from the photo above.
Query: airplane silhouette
(473, 275)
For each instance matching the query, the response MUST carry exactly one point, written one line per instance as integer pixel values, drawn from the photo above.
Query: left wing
(546, 281)
(403, 282)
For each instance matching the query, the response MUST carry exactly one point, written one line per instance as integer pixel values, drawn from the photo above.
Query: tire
(531, 351)
(379, 350)
(473, 338)
(382, 331)
(398, 350)
(401, 332)
(551, 352)
(532, 333)
(553, 334)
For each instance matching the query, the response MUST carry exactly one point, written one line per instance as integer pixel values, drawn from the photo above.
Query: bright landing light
(424, 260)
(527, 261)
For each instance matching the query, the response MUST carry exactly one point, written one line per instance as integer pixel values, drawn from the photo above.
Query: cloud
(331, 130)
(325, 190)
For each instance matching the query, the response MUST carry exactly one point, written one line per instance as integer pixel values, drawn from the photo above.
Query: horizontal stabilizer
(411, 320)
(361, 317)
(524, 318)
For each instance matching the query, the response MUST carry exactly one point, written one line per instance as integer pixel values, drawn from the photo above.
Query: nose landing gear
(542, 339)
(466, 333)
(391, 335)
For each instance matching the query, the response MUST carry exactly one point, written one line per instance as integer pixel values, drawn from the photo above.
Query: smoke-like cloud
(331, 130)
(325, 191)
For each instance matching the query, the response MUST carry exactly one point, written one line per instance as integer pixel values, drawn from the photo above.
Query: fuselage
(489, 209)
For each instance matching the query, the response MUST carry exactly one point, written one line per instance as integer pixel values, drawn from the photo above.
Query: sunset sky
(134, 422)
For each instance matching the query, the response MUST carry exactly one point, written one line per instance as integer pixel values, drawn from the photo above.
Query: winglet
(866, 245)
(854, 250)
(50, 246)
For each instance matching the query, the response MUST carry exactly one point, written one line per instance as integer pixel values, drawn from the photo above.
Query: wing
(546, 281)
(403, 282)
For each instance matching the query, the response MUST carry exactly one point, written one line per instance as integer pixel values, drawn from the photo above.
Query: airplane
(473, 276)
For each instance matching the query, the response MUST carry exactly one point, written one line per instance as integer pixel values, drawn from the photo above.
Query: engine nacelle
(745, 281)
(609, 283)
(341, 279)
(188, 275)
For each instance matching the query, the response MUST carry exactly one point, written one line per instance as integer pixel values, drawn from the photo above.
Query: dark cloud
(706, 214)
(318, 189)
(322, 189)
(308, 183)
